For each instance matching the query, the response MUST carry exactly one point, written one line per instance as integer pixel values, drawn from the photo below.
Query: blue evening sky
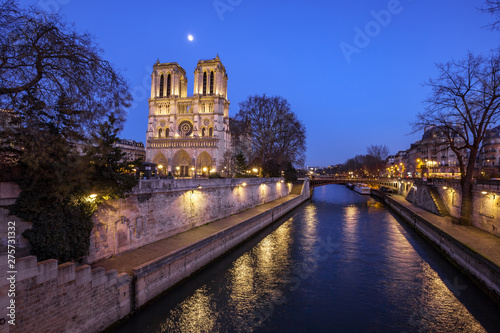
(350, 90)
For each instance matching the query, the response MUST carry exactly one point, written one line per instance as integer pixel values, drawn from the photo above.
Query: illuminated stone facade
(187, 136)
(489, 155)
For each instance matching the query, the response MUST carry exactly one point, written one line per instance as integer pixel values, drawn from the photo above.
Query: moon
(190, 38)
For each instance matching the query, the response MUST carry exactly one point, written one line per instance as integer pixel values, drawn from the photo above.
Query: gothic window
(161, 85)
(204, 83)
(212, 83)
(203, 131)
(159, 133)
(210, 131)
(169, 84)
(185, 128)
(167, 132)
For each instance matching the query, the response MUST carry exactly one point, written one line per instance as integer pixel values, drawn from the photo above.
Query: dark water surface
(339, 263)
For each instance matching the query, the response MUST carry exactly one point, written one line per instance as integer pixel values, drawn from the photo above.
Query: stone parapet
(157, 209)
(61, 298)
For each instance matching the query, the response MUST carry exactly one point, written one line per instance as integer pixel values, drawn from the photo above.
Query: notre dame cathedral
(187, 136)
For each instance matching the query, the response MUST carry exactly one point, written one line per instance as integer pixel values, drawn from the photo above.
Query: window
(212, 83)
(159, 133)
(185, 128)
(204, 83)
(210, 131)
(203, 131)
(167, 132)
(161, 85)
(169, 84)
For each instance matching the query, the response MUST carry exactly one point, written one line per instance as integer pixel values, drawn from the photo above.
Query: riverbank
(90, 299)
(472, 250)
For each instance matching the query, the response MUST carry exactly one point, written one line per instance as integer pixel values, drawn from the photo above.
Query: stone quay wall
(156, 276)
(486, 202)
(47, 297)
(156, 209)
(480, 269)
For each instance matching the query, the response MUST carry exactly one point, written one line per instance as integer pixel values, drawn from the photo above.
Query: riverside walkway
(479, 241)
(126, 262)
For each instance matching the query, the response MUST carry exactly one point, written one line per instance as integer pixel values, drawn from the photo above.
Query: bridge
(321, 181)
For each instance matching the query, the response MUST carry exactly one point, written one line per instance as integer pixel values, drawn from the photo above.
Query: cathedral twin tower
(187, 136)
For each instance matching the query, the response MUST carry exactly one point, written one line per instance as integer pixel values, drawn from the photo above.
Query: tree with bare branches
(43, 57)
(493, 7)
(464, 104)
(62, 106)
(274, 133)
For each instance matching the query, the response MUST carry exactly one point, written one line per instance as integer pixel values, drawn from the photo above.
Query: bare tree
(42, 56)
(274, 132)
(493, 7)
(464, 104)
(378, 151)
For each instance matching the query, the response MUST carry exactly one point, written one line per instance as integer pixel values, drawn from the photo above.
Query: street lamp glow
(92, 196)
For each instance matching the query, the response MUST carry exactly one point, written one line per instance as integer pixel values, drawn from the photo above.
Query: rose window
(185, 128)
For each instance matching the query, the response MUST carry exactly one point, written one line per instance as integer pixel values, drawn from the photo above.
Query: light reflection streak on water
(254, 285)
(196, 314)
(350, 236)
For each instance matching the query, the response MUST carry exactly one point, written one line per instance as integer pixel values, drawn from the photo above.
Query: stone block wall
(156, 276)
(61, 298)
(420, 196)
(157, 209)
(486, 202)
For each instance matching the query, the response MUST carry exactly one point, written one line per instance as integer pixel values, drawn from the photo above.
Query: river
(340, 262)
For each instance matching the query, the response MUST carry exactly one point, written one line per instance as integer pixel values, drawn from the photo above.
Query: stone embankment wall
(479, 268)
(47, 297)
(158, 275)
(486, 202)
(157, 209)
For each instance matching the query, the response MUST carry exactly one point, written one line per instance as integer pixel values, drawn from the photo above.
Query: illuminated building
(187, 136)
(133, 150)
(489, 155)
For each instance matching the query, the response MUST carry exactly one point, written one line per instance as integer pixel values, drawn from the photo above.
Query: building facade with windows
(489, 155)
(133, 150)
(188, 136)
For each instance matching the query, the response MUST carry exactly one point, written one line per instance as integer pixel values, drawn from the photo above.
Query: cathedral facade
(188, 136)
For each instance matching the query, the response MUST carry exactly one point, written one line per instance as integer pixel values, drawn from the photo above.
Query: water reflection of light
(310, 230)
(350, 225)
(398, 252)
(440, 307)
(242, 278)
(256, 277)
(196, 314)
